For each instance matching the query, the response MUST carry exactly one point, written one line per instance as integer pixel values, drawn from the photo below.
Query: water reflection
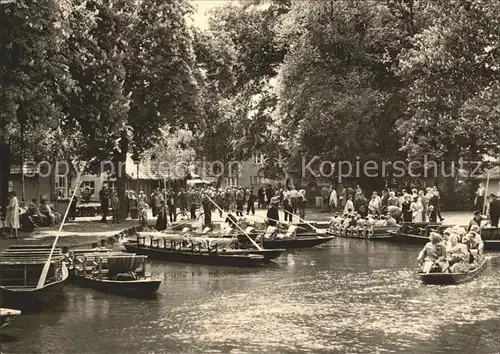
(351, 296)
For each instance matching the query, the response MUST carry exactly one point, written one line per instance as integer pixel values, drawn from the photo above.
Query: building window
(256, 180)
(62, 187)
(232, 181)
(258, 158)
(88, 184)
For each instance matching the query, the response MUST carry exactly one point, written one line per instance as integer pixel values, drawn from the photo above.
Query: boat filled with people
(418, 233)
(22, 267)
(453, 258)
(201, 250)
(282, 235)
(112, 272)
(353, 225)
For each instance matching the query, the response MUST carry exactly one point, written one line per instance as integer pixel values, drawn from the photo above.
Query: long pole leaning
(45, 270)
(305, 222)
(235, 224)
(483, 212)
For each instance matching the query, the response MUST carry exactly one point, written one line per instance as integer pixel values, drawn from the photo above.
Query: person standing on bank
(251, 202)
(494, 210)
(172, 205)
(104, 197)
(161, 221)
(12, 220)
(207, 210)
(115, 207)
(302, 201)
(479, 199)
(240, 199)
(294, 196)
(272, 213)
(333, 200)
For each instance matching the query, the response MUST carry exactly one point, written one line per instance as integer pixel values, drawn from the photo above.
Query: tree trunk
(121, 176)
(23, 185)
(4, 174)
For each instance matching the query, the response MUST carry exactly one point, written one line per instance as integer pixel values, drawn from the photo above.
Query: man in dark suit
(494, 210)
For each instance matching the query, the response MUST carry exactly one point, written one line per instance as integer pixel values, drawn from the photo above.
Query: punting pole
(45, 270)
(486, 192)
(279, 222)
(238, 226)
(305, 222)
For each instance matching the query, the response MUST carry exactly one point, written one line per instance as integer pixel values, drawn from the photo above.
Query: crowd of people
(350, 205)
(457, 251)
(36, 214)
(408, 206)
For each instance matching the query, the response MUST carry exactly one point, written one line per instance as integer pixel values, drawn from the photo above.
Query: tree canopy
(394, 79)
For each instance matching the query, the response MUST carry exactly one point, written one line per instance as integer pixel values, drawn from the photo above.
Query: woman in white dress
(417, 210)
(12, 218)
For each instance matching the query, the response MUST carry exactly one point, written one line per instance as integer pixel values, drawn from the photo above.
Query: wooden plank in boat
(31, 246)
(24, 261)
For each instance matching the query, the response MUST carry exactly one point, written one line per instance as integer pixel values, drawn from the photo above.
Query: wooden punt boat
(452, 278)
(113, 272)
(7, 316)
(299, 241)
(224, 245)
(416, 233)
(20, 270)
(491, 238)
(368, 233)
(283, 239)
(178, 251)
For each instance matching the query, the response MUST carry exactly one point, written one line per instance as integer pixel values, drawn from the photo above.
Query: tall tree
(452, 74)
(338, 95)
(237, 57)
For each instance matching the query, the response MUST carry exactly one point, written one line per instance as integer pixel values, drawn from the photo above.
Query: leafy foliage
(452, 72)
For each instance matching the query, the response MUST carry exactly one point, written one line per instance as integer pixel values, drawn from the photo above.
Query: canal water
(350, 296)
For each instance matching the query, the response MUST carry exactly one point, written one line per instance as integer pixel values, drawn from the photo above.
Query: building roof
(493, 172)
(27, 170)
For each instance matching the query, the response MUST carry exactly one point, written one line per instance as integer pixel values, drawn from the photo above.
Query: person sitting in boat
(346, 222)
(391, 221)
(382, 222)
(446, 240)
(476, 220)
(395, 212)
(433, 255)
(458, 256)
(459, 231)
(475, 245)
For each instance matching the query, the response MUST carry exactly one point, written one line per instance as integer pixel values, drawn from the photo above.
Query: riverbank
(87, 230)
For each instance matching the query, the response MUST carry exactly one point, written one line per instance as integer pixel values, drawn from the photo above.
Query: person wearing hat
(494, 210)
(458, 256)
(476, 220)
(433, 255)
(272, 212)
(474, 243)
(240, 199)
